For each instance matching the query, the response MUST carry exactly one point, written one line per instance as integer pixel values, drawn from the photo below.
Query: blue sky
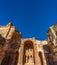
(31, 17)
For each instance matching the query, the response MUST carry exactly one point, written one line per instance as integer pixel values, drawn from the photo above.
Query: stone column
(44, 59)
(20, 59)
(26, 59)
(37, 59)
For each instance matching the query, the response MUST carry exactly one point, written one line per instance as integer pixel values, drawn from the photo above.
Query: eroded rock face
(14, 50)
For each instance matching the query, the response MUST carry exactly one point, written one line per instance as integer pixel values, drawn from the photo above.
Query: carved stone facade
(14, 50)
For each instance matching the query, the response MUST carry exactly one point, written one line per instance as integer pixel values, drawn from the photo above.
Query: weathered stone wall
(14, 50)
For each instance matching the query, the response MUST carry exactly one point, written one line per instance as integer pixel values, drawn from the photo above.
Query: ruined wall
(14, 50)
(9, 49)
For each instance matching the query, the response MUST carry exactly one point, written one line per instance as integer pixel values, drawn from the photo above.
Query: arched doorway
(10, 59)
(6, 60)
(28, 56)
(16, 58)
(41, 58)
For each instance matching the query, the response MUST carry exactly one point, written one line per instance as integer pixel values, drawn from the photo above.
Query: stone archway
(10, 58)
(6, 60)
(41, 58)
(28, 54)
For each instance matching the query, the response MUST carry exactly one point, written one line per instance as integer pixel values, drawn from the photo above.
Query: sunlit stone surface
(14, 50)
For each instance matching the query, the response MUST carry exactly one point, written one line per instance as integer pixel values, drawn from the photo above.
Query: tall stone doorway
(28, 56)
